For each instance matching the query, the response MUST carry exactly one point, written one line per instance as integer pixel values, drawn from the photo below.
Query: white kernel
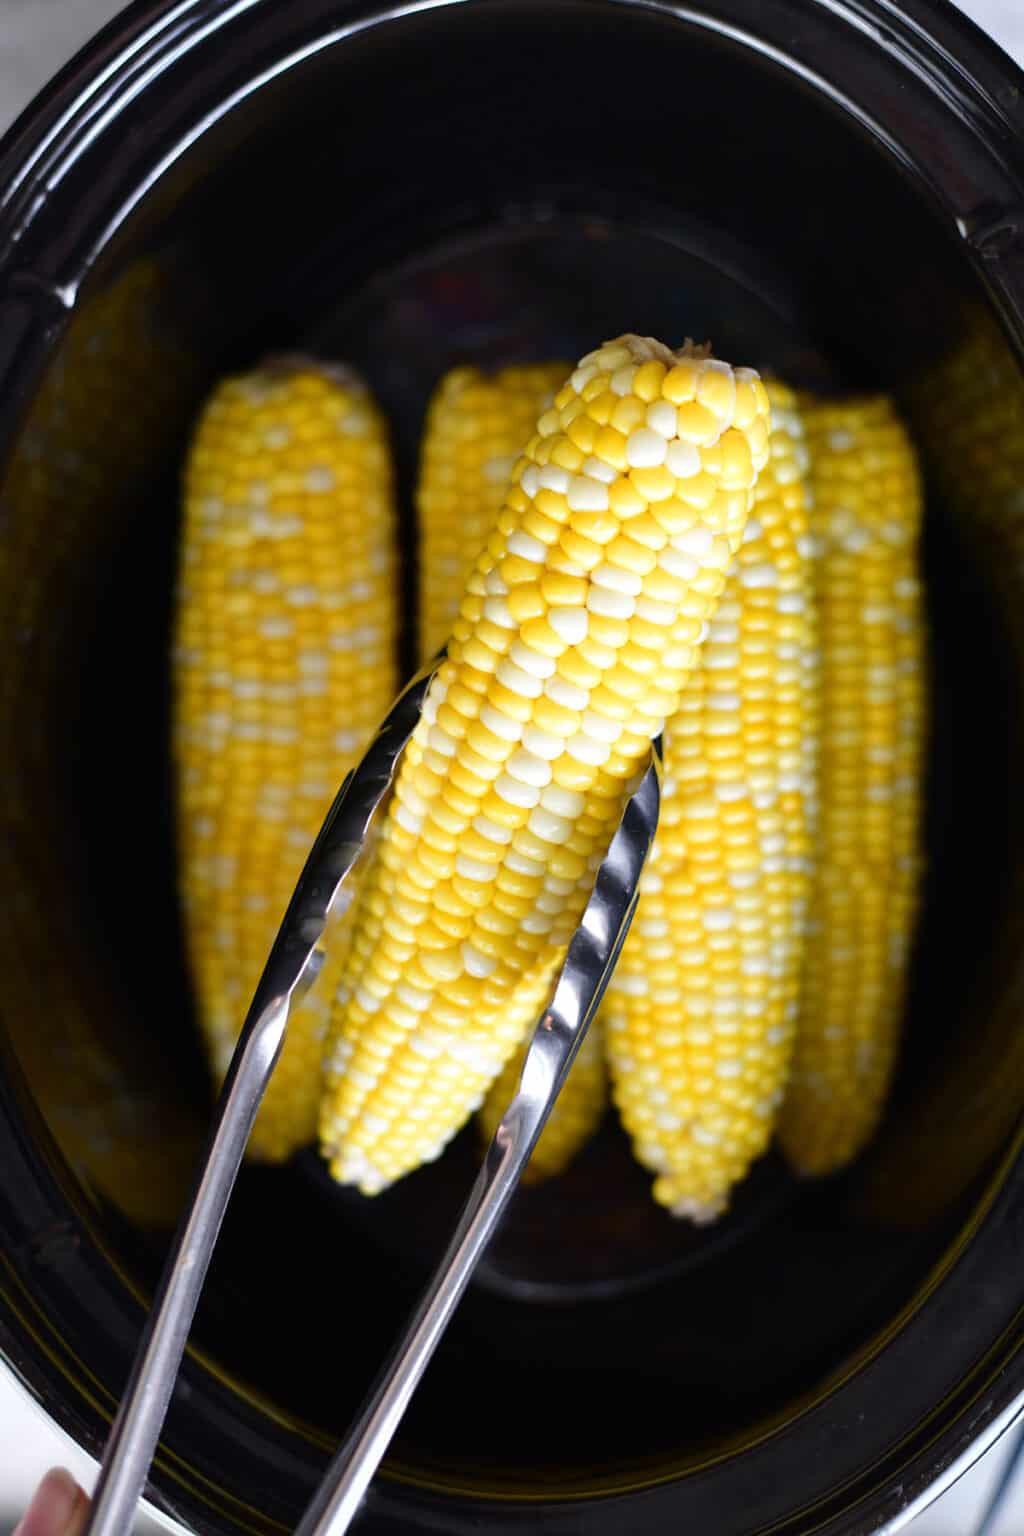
(543, 744)
(474, 869)
(413, 997)
(791, 602)
(728, 1066)
(515, 792)
(564, 802)
(587, 495)
(526, 547)
(753, 530)
(476, 962)
(408, 819)
(761, 574)
(531, 661)
(596, 469)
(731, 790)
(525, 684)
(840, 441)
(552, 477)
(522, 765)
(530, 480)
(319, 478)
(724, 701)
(584, 749)
(645, 449)
(621, 382)
(569, 624)
(614, 578)
(562, 692)
(499, 724)
(366, 1000)
(493, 831)
(496, 612)
(536, 922)
(703, 1135)
(678, 563)
(653, 612)
(609, 604)
(718, 919)
(582, 377)
(549, 826)
(521, 865)
(441, 742)
(495, 584)
(600, 727)
(661, 418)
(683, 460)
(498, 470)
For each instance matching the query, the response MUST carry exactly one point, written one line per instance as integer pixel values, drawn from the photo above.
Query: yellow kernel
(541, 527)
(508, 703)
(583, 552)
(555, 718)
(628, 555)
(610, 448)
(553, 504)
(485, 743)
(601, 407)
(605, 631)
(598, 526)
(515, 571)
(576, 670)
(629, 414)
(697, 424)
(583, 433)
(538, 634)
(648, 380)
(654, 484)
(624, 498)
(560, 591)
(526, 602)
(567, 455)
(737, 465)
(717, 390)
(680, 382)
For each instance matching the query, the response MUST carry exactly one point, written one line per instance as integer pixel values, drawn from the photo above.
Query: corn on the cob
(475, 430)
(580, 624)
(702, 1008)
(865, 521)
(284, 664)
(106, 411)
(576, 1112)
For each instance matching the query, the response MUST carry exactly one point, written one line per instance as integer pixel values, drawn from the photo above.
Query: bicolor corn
(578, 629)
(284, 663)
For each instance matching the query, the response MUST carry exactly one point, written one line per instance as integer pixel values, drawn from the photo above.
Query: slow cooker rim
(44, 292)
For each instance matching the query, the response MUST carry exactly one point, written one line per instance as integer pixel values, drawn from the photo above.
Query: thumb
(58, 1507)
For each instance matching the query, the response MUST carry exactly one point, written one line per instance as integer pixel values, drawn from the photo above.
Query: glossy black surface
(821, 190)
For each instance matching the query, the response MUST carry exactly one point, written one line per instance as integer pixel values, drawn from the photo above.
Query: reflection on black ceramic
(491, 183)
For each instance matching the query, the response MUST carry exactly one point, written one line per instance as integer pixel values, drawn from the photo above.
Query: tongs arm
(291, 968)
(580, 986)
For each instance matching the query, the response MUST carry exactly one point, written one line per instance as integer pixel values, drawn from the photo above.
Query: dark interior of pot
(497, 187)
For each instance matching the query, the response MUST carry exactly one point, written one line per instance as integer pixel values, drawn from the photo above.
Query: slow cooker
(833, 189)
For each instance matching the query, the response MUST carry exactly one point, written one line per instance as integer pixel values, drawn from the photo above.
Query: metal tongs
(294, 963)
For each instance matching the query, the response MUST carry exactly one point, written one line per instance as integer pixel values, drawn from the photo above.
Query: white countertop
(36, 37)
